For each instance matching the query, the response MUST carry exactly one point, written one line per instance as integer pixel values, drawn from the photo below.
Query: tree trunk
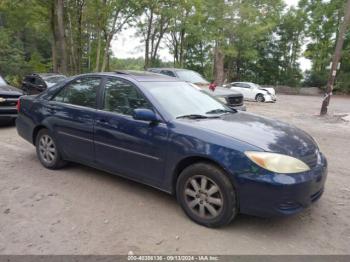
(54, 40)
(98, 52)
(106, 51)
(148, 37)
(61, 38)
(73, 59)
(81, 5)
(219, 57)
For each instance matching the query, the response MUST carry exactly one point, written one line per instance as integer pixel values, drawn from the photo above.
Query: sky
(128, 45)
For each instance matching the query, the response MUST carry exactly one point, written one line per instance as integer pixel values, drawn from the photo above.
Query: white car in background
(253, 91)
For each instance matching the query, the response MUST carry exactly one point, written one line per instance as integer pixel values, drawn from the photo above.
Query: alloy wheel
(203, 196)
(47, 149)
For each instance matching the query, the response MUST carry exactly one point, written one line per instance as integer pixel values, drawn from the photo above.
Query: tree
(152, 27)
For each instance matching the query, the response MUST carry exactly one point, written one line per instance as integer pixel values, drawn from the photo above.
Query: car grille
(8, 100)
(310, 160)
(235, 100)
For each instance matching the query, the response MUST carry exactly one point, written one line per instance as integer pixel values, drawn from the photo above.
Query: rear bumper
(272, 194)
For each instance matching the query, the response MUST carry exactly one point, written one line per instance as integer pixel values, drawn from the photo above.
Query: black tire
(260, 98)
(215, 176)
(48, 154)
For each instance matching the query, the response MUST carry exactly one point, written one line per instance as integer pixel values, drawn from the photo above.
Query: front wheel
(47, 150)
(206, 195)
(260, 98)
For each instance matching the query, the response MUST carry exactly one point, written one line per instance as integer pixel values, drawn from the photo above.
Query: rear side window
(244, 85)
(38, 81)
(168, 73)
(81, 92)
(123, 97)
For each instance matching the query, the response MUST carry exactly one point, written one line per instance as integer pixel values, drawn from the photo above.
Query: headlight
(277, 163)
(222, 99)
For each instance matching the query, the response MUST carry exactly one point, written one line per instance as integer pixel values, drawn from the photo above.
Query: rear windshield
(54, 79)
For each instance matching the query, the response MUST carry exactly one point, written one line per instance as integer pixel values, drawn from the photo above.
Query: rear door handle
(52, 108)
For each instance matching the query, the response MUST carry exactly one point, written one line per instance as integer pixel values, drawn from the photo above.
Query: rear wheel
(260, 98)
(206, 195)
(47, 150)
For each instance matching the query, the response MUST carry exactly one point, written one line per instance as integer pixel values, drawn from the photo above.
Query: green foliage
(260, 40)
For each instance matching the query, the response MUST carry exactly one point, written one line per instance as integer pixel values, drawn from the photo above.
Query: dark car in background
(37, 83)
(162, 132)
(231, 98)
(8, 100)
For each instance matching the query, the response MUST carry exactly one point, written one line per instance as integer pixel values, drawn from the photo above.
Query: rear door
(72, 113)
(124, 145)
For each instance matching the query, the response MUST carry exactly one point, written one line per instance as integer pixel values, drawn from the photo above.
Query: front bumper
(273, 194)
(270, 98)
(8, 113)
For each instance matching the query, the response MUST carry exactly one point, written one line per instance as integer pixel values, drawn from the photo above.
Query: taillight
(212, 86)
(18, 105)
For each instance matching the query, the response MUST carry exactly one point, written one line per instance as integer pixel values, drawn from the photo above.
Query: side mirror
(144, 114)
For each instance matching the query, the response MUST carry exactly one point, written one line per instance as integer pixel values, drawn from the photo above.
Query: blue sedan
(164, 133)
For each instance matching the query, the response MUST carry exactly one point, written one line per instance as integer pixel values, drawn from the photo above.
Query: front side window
(81, 92)
(123, 97)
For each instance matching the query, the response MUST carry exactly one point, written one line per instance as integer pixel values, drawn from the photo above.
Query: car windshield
(2, 82)
(181, 99)
(191, 76)
(255, 85)
(54, 79)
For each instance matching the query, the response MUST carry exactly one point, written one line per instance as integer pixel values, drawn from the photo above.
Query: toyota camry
(162, 132)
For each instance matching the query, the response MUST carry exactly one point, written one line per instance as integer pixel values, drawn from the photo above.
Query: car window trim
(75, 79)
(103, 93)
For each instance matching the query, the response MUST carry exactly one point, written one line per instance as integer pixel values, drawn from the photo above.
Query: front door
(124, 145)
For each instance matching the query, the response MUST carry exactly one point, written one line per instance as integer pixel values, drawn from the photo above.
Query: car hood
(221, 91)
(10, 90)
(218, 91)
(268, 134)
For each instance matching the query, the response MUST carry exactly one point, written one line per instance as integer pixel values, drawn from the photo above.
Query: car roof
(46, 75)
(169, 68)
(139, 76)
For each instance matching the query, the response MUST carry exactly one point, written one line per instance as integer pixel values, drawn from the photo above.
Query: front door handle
(102, 121)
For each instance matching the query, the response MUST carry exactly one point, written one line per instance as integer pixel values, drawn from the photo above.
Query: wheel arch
(36, 132)
(190, 160)
(258, 94)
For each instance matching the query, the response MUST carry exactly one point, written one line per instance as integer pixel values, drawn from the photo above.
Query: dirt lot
(79, 210)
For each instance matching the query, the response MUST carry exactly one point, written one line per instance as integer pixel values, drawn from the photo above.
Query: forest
(226, 40)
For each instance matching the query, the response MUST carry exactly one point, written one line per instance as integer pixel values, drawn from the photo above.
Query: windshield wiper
(194, 116)
(219, 111)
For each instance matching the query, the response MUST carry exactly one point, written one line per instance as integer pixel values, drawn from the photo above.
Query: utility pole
(336, 58)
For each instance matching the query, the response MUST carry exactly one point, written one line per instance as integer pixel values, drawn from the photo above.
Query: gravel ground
(80, 210)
